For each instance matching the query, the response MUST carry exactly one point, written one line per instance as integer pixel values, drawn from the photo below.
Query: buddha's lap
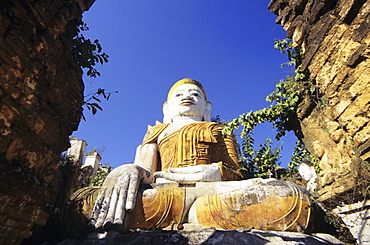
(273, 205)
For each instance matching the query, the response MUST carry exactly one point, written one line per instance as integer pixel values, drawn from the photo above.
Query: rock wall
(41, 93)
(334, 126)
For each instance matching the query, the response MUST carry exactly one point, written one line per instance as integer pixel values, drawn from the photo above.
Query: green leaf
(95, 105)
(94, 111)
(96, 99)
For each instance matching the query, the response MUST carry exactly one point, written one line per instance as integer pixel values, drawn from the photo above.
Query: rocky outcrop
(41, 93)
(334, 36)
(334, 126)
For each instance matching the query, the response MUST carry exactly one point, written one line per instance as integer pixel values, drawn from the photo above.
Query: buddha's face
(187, 100)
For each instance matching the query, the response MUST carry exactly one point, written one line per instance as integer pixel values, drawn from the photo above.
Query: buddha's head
(187, 98)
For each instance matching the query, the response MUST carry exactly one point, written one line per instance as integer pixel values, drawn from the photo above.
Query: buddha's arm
(146, 157)
(119, 190)
(192, 174)
(228, 158)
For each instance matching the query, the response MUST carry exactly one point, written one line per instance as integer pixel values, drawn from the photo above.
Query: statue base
(209, 236)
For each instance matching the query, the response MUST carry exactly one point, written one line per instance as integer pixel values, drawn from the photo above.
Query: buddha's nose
(188, 98)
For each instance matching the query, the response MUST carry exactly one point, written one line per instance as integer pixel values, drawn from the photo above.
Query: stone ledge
(209, 236)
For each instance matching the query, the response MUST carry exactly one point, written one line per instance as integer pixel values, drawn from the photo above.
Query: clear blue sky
(227, 45)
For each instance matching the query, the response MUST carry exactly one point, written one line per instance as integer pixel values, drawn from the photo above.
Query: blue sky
(227, 45)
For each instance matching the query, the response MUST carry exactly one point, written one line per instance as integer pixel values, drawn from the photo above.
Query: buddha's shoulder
(215, 125)
(157, 127)
(154, 131)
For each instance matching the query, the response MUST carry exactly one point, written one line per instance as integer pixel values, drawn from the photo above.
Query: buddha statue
(186, 175)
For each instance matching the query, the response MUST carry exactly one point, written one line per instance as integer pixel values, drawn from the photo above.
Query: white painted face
(187, 100)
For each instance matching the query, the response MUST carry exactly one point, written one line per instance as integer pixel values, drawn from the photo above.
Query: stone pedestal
(210, 236)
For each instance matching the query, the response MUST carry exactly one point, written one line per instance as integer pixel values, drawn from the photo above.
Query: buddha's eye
(195, 94)
(178, 95)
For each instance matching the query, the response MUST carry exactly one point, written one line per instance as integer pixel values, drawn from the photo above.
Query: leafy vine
(281, 112)
(87, 54)
(102, 173)
(260, 163)
(91, 100)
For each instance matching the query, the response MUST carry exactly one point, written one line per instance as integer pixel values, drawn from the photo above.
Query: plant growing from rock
(102, 173)
(87, 54)
(282, 111)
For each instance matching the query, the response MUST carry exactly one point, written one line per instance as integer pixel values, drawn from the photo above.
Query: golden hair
(187, 81)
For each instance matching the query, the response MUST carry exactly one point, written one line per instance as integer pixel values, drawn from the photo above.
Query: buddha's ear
(166, 112)
(207, 115)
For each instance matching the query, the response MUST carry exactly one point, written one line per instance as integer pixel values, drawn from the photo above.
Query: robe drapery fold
(196, 144)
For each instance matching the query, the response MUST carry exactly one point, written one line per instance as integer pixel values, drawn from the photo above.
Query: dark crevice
(320, 8)
(357, 5)
(299, 8)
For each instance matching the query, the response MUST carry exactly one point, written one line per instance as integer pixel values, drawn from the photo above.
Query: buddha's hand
(117, 195)
(192, 174)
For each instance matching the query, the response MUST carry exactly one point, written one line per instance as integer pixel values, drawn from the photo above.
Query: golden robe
(196, 144)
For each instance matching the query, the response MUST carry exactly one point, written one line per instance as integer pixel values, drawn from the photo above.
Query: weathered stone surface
(335, 37)
(356, 217)
(334, 126)
(211, 236)
(38, 110)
